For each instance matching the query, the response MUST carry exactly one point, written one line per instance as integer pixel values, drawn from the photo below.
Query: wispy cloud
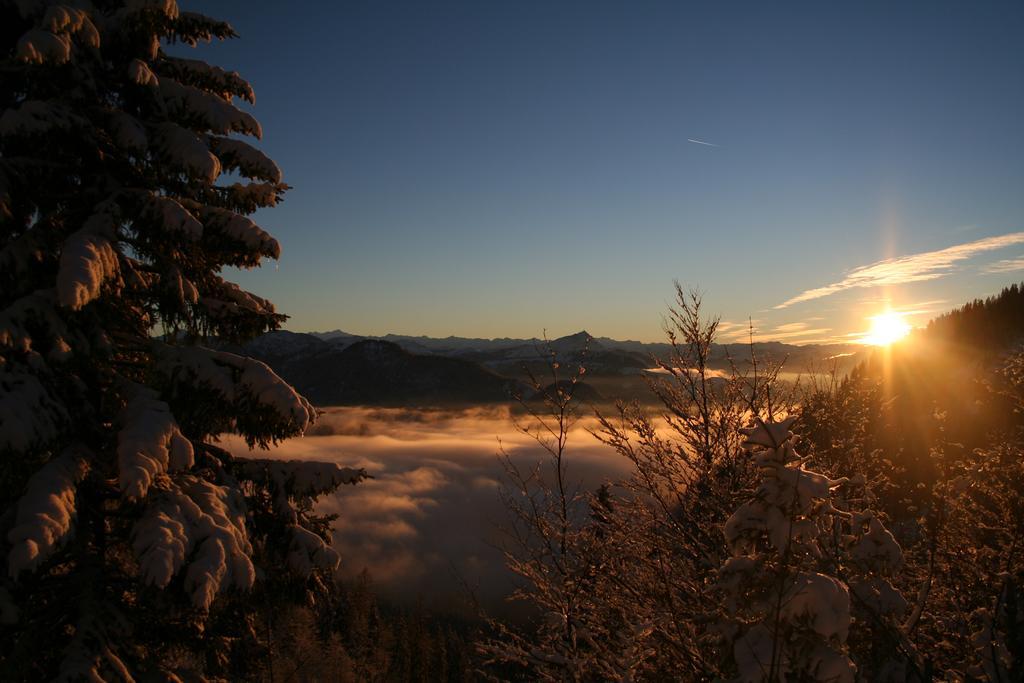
(779, 336)
(701, 142)
(726, 326)
(924, 304)
(930, 308)
(929, 265)
(736, 331)
(1005, 266)
(786, 331)
(905, 308)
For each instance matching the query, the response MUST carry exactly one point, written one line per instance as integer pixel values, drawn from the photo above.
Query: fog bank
(427, 524)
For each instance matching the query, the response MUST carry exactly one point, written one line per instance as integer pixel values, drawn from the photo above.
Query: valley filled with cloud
(429, 522)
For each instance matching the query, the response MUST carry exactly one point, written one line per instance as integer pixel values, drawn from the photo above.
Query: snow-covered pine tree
(130, 544)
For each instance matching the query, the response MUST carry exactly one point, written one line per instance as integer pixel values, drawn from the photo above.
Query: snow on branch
(193, 518)
(183, 148)
(819, 601)
(90, 655)
(787, 489)
(768, 434)
(307, 551)
(265, 405)
(210, 111)
(786, 613)
(44, 47)
(246, 159)
(300, 478)
(874, 547)
(166, 8)
(127, 132)
(197, 73)
(50, 42)
(45, 514)
(30, 416)
(187, 367)
(125, 18)
(880, 595)
(64, 19)
(172, 216)
(192, 27)
(140, 74)
(230, 299)
(31, 315)
(242, 229)
(180, 287)
(261, 383)
(161, 539)
(149, 443)
(35, 117)
(248, 197)
(86, 262)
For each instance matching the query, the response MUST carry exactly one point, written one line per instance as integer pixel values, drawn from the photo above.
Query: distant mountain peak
(333, 334)
(581, 337)
(575, 343)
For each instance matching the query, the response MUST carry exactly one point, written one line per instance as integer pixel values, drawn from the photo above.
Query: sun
(886, 328)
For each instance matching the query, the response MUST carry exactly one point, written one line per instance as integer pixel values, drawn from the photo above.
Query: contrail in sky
(701, 142)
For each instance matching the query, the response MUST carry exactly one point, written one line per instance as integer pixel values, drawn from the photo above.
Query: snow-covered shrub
(801, 555)
(783, 617)
(125, 533)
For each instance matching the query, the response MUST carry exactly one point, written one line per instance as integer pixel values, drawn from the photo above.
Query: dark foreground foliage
(133, 546)
(921, 451)
(355, 636)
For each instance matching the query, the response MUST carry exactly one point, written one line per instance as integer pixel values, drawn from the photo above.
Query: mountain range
(507, 349)
(338, 368)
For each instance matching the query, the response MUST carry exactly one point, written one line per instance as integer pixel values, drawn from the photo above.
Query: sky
(491, 169)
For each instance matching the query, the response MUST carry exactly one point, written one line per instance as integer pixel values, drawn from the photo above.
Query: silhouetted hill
(375, 372)
(282, 344)
(605, 356)
(991, 324)
(571, 351)
(383, 372)
(335, 368)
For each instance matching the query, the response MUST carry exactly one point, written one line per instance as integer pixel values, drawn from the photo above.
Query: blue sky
(501, 168)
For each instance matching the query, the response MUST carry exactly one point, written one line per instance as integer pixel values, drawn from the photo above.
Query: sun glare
(886, 328)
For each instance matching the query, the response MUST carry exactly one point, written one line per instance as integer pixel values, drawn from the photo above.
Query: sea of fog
(428, 524)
